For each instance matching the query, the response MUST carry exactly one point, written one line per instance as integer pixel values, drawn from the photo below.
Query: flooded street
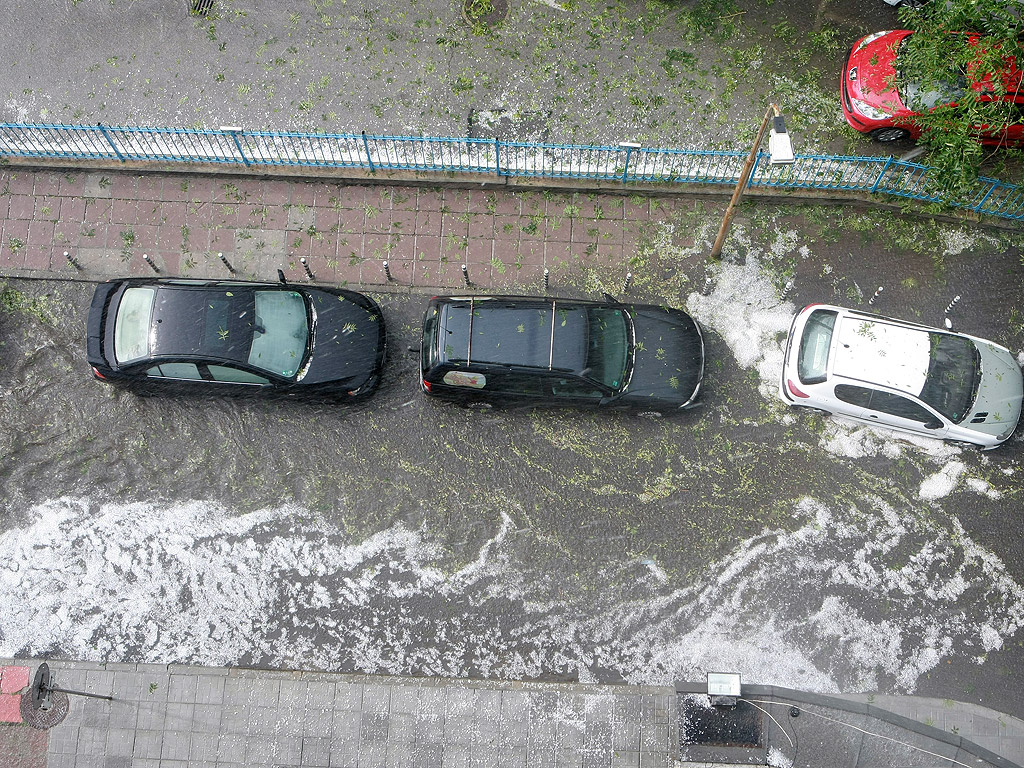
(410, 536)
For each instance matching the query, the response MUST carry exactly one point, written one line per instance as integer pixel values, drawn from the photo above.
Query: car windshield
(267, 329)
(607, 346)
(281, 332)
(953, 375)
(812, 361)
(132, 325)
(920, 97)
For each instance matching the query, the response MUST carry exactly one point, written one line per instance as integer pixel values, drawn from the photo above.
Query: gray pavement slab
(999, 732)
(321, 720)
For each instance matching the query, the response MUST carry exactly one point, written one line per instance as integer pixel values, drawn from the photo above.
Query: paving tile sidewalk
(165, 716)
(345, 231)
(177, 715)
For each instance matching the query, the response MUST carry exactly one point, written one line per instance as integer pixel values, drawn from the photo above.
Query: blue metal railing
(626, 163)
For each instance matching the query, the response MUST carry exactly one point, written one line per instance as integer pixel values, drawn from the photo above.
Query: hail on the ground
(857, 598)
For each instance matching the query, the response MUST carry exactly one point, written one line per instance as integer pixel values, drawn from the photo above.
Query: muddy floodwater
(403, 535)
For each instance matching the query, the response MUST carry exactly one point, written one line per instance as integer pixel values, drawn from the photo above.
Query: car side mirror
(933, 424)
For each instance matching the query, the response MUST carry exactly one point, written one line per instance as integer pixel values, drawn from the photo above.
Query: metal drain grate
(702, 724)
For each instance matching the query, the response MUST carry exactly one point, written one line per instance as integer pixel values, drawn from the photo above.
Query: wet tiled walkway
(106, 221)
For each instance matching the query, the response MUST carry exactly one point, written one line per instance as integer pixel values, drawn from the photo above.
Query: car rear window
(428, 348)
(132, 325)
(812, 361)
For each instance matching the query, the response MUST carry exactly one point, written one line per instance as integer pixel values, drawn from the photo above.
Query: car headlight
(1005, 435)
(869, 111)
(871, 38)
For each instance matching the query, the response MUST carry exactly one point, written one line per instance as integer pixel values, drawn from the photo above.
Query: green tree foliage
(955, 63)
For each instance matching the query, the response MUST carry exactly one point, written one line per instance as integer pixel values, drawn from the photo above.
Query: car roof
(185, 321)
(515, 332)
(879, 352)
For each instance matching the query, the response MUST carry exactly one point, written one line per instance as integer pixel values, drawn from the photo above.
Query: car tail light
(426, 385)
(792, 388)
(98, 374)
(816, 304)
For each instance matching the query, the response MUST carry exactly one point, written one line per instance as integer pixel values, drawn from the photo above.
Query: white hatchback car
(900, 375)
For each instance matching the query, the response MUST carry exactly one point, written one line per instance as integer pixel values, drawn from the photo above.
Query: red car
(878, 100)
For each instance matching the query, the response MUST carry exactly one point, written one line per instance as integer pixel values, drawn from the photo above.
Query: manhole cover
(44, 718)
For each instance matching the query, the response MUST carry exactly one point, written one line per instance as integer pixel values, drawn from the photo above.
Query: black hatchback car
(199, 336)
(561, 351)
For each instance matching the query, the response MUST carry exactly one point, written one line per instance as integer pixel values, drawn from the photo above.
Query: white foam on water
(978, 485)
(943, 482)
(853, 599)
(845, 437)
(990, 639)
(745, 309)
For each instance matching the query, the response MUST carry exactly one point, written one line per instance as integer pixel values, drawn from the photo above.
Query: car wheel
(887, 135)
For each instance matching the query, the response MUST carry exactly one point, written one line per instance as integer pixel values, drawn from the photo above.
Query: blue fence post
(497, 156)
(234, 131)
(881, 175)
(369, 159)
(757, 162)
(110, 141)
(629, 146)
(991, 189)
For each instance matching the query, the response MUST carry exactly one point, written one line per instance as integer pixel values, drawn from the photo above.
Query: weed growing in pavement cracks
(127, 243)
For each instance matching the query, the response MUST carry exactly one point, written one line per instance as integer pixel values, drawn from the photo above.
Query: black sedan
(561, 351)
(229, 337)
